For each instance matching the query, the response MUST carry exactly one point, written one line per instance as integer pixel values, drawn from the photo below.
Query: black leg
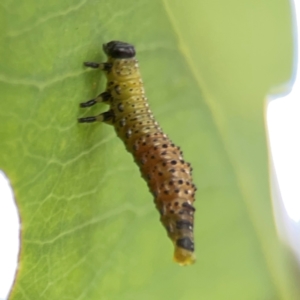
(103, 97)
(106, 117)
(95, 65)
(87, 120)
(91, 64)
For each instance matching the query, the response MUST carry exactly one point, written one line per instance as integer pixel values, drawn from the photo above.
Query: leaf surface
(89, 226)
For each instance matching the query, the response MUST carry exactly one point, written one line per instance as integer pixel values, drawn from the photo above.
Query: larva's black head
(117, 49)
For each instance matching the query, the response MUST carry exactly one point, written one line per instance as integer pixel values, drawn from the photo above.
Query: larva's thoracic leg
(87, 120)
(91, 64)
(103, 97)
(95, 65)
(106, 117)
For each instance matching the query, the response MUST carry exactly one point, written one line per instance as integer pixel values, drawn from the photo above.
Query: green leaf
(89, 226)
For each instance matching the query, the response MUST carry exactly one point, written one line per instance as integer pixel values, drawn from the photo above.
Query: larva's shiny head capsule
(117, 49)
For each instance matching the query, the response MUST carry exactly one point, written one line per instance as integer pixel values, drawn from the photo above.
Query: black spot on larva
(176, 191)
(128, 133)
(173, 162)
(186, 191)
(166, 192)
(118, 89)
(153, 157)
(171, 182)
(122, 122)
(172, 170)
(164, 153)
(184, 224)
(120, 107)
(189, 206)
(165, 146)
(185, 243)
(171, 211)
(160, 173)
(180, 181)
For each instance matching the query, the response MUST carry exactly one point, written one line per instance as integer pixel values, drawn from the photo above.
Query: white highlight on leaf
(9, 236)
(284, 135)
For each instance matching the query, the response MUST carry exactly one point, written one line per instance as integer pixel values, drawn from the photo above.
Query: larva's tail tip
(184, 257)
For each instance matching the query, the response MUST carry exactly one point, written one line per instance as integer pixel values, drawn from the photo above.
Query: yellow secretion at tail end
(184, 257)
